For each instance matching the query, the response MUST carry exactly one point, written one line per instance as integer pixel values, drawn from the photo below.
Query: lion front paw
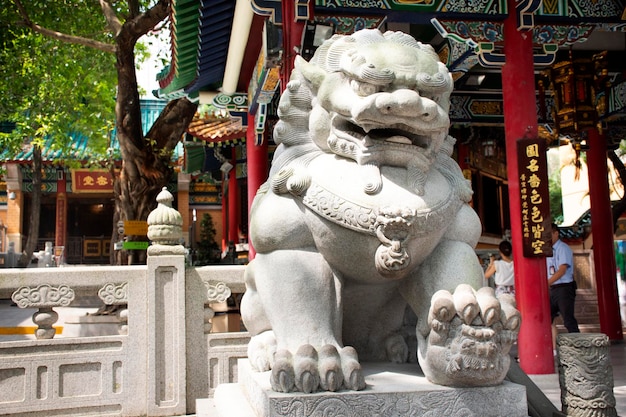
(471, 333)
(311, 370)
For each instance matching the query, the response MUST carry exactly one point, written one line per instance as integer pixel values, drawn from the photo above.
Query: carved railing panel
(117, 295)
(215, 293)
(44, 297)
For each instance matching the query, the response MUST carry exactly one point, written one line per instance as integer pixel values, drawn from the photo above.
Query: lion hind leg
(261, 350)
(397, 348)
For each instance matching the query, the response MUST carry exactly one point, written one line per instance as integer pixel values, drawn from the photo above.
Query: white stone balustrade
(163, 358)
(113, 375)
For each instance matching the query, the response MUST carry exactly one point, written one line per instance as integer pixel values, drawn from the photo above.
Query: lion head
(379, 99)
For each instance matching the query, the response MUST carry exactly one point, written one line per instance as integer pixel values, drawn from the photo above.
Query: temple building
(529, 76)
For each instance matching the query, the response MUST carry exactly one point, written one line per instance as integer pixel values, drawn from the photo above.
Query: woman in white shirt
(503, 268)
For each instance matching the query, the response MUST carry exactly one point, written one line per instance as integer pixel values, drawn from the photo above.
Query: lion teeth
(399, 139)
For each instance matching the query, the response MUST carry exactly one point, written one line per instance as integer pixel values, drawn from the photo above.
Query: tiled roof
(581, 229)
(184, 38)
(200, 36)
(78, 149)
(79, 146)
(216, 24)
(217, 129)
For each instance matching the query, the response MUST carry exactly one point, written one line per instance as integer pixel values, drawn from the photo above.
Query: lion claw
(310, 370)
(471, 348)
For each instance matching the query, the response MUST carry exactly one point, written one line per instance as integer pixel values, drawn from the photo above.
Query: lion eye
(363, 89)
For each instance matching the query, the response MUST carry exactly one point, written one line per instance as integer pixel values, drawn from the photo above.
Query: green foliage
(207, 249)
(556, 196)
(52, 89)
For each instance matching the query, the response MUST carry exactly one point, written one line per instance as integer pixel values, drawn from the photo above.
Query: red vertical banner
(534, 197)
(61, 217)
(60, 232)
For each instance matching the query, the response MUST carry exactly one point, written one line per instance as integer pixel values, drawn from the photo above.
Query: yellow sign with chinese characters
(135, 227)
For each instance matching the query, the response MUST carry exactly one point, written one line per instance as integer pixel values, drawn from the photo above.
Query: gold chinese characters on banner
(534, 197)
(92, 181)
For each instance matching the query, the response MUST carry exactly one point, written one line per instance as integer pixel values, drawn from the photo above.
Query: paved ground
(16, 324)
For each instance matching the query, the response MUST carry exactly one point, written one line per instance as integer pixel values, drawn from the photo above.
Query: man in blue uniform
(561, 282)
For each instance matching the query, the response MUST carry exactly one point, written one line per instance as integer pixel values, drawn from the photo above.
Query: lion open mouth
(366, 142)
(368, 134)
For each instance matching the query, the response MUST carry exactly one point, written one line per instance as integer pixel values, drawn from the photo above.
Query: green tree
(208, 250)
(66, 66)
(556, 196)
(51, 90)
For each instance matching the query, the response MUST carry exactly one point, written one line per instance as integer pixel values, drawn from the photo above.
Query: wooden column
(292, 37)
(602, 228)
(60, 229)
(233, 202)
(257, 167)
(520, 120)
(183, 181)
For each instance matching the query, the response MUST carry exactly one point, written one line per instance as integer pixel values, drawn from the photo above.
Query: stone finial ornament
(165, 226)
(364, 213)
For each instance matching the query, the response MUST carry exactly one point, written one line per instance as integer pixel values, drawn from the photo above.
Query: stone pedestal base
(392, 390)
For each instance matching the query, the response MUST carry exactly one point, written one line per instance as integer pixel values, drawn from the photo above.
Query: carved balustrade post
(44, 297)
(586, 375)
(166, 310)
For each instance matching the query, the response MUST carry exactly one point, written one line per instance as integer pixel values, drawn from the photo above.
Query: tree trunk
(146, 161)
(35, 211)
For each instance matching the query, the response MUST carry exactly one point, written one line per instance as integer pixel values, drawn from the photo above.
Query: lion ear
(314, 74)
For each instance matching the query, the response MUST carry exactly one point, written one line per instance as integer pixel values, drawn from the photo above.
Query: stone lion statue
(364, 213)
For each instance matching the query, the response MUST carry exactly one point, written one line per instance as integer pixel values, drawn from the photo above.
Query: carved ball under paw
(311, 370)
(471, 333)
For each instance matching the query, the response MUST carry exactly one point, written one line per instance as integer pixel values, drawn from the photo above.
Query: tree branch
(112, 20)
(143, 23)
(78, 40)
(171, 124)
(133, 7)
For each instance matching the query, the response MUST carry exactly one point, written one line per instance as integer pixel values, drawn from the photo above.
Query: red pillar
(257, 168)
(602, 228)
(292, 37)
(224, 214)
(520, 120)
(233, 203)
(60, 230)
